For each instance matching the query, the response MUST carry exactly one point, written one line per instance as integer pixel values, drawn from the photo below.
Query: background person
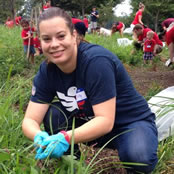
(26, 34)
(141, 34)
(148, 47)
(168, 37)
(94, 17)
(118, 26)
(138, 16)
(47, 5)
(18, 20)
(103, 104)
(168, 23)
(85, 20)
(9, 22)
(37, 45)
(80, 27)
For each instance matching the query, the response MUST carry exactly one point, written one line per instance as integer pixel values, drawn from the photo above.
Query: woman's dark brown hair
(56, 12)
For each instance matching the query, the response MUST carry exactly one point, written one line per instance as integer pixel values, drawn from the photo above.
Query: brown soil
(145, 78)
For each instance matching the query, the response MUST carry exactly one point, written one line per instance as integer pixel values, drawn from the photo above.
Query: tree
(14, 5)
(80, 7)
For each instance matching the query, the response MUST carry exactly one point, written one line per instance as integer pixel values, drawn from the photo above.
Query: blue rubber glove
(56, 146)
(38, 139)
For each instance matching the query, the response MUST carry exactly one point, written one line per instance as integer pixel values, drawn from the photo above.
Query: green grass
(16, 151)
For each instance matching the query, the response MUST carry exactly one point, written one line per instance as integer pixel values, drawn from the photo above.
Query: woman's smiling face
(58, 43)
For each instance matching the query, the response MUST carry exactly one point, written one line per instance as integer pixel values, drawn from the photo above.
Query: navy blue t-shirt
(93, 17)
(99, 76)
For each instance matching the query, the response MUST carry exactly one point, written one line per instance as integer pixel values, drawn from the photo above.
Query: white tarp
(105, 32)
(124, 41)
(128, 31)
(162, 104)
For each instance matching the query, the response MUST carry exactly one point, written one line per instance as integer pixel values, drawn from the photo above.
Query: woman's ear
(75, 33)
(75, 36)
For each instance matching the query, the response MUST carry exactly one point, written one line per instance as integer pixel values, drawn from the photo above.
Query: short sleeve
(100, 80)
(170, 36)
(157, 40)
(23, 34)
(41, 92)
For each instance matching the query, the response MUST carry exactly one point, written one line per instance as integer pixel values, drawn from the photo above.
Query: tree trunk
(156, 21)
(83, 8)
(13, 13)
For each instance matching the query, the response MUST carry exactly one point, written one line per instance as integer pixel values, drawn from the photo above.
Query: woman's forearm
(30, 128)
(91, 130)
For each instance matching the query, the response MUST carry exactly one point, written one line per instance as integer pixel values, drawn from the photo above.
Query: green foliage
(9, 7)
(81, 7)
(106, 13)
(11, 49)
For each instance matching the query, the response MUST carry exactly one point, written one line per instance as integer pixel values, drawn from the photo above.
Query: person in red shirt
(168, 37)
(141, 34)
(118, 26)
(27, 36)
(37, 45)
(85, 20)
(47, 5)
(168, 23)
(80, 27)
(18, 20)
(138, 16)
(9, 22)
(148, 47)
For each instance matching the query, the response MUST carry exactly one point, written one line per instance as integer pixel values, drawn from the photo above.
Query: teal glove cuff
(56, 146)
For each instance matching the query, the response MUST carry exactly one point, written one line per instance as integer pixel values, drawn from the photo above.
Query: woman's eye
(62, 36)
(46, 39)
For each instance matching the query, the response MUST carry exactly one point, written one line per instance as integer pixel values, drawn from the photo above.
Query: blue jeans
(32, 50)
(139, 145)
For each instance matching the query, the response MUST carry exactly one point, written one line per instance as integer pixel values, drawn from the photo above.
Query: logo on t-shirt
(33, 91)
(75, 98)
(80, 97)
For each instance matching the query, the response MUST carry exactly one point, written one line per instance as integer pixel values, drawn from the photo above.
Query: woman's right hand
(38, 139)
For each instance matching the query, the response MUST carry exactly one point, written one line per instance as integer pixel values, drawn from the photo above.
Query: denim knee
(139, 145)
(139, 155)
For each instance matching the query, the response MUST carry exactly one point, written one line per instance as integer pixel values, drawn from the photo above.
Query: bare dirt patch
(145, 77)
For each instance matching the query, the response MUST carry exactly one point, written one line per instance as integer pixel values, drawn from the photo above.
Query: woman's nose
(55, 42)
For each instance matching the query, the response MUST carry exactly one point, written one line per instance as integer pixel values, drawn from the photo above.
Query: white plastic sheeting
(124, 41)
(128, 31)
(162, 104)
(105, 32)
